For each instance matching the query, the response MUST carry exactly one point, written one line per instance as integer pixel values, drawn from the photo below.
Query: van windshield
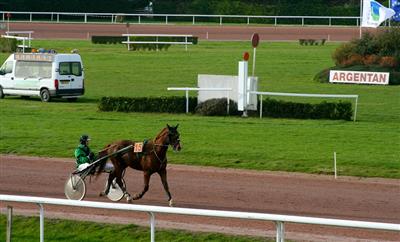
(71, 68)
(6, 67)
(32, 69)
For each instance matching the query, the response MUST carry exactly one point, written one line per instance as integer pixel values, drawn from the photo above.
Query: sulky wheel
(75, 188)
(115, 194)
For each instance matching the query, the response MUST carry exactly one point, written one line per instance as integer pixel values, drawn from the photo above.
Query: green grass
(26, 229)
(368, 147)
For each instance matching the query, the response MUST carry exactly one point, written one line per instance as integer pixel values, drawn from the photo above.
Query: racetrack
(212, 188)
(370, 199)
(204, 32)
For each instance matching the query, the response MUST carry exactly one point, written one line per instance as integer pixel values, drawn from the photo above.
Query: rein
(155, 153)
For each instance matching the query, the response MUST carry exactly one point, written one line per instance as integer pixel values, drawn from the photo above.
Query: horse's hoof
(128, 197)
(102, 194)
(129, 200)
(171, 203)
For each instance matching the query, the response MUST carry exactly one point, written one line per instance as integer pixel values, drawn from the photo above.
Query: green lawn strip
(27, 229)
(368, 147)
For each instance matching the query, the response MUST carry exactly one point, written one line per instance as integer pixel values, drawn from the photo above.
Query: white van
(44, 75)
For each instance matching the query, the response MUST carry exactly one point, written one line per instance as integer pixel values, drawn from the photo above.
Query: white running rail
(113, 17)
(278, 219)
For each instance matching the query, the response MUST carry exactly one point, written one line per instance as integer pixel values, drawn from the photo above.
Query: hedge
(217, 107)
(147, 104)
(324, 110)
(108, 39)
(8, 45)
(312, 42)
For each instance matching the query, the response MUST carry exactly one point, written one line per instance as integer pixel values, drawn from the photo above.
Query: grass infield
(26, 229)
(368, 147)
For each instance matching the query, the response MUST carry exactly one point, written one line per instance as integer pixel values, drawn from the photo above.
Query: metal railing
(166, 18)
(151, 210)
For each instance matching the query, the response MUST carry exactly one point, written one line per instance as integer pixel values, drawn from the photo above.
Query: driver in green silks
(83, 154)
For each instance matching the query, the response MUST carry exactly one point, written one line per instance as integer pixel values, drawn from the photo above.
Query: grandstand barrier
(151, 210)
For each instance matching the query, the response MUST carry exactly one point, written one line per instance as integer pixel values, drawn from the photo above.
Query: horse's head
(173, 137)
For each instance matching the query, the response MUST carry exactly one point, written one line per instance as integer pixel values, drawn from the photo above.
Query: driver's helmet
(84, 138)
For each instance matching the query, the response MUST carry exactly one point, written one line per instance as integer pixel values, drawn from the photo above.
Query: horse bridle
(165, 145)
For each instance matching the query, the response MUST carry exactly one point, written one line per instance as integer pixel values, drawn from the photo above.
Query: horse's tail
(102, 157)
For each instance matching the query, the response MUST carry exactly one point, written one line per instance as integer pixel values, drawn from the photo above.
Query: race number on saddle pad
(138, 147)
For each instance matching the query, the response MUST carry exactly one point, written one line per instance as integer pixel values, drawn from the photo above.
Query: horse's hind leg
(163, 176)
(146, 176)
(109, 182)
(123, 188)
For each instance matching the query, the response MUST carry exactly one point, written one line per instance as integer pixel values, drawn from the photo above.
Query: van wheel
(45, 95)
(1, 93)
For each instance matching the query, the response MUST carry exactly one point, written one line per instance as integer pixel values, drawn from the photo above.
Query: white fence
(16, 35)
(278, 219)
(306, 95)
(156, 40)
(166, 18)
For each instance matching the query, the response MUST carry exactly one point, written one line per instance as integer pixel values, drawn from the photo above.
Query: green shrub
(388, 42)
(367, 45)
(8, 45)
(216, 107)
(108, 39)
(385, 43)
(343, 53)
(147, 104)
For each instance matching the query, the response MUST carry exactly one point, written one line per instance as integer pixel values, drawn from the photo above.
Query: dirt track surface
(224, 32)
(223, 189)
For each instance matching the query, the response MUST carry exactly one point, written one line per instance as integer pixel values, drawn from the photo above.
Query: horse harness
(143, 153)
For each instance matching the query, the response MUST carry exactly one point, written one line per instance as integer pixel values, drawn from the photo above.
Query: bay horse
(152, 159)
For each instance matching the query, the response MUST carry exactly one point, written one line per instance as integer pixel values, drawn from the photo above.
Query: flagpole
(361, 14)
(390, 5)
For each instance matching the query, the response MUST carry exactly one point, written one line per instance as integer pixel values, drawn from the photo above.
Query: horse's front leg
(146, 177)
(163, 176)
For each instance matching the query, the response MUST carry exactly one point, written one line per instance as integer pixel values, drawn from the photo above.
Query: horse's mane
(160, 135)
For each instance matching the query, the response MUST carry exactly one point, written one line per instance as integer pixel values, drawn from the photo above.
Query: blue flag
(396, 7)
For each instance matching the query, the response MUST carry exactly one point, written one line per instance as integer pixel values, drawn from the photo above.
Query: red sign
(255, 39)
(246, 56)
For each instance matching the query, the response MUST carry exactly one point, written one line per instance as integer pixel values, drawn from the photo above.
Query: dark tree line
(233, 7)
